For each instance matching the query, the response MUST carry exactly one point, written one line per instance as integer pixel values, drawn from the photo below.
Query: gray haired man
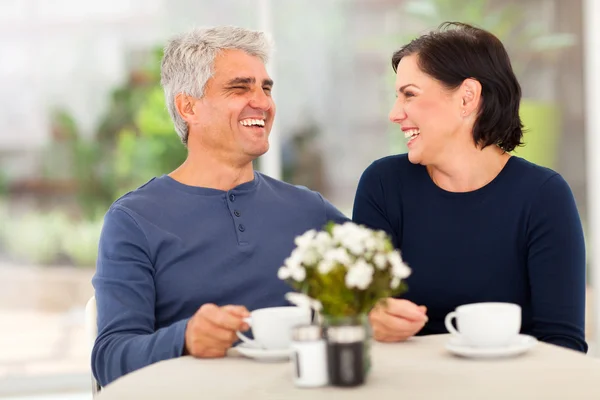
(185, 257)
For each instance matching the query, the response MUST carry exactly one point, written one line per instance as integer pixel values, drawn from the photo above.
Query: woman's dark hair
(457, 51)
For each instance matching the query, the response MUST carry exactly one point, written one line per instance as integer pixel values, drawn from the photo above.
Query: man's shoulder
(282, 188)
(141, 198)
(283, 196)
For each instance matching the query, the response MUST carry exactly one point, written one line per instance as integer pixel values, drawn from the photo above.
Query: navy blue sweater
(167, 248)
(518, 239)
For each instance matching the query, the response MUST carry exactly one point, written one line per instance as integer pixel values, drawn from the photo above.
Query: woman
(474, 223)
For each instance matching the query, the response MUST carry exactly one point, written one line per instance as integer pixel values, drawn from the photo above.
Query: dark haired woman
(474, 223)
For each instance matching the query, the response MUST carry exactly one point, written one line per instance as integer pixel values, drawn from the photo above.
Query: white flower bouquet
(347, 268)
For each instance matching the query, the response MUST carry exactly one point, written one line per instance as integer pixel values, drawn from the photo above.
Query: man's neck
(209, 172)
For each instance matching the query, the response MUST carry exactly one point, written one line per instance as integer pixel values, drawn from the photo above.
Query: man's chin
(258, 152)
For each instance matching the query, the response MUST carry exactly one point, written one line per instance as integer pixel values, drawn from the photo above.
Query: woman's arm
(557, 266)
(370, 204)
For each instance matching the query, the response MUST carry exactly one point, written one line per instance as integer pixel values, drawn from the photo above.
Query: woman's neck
(469, 171)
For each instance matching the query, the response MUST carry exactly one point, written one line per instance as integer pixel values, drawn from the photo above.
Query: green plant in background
(79, 243)
(153, 150)
(35, 237)
(50, 238)
(83, 161)
(526, 39)
(134, 142)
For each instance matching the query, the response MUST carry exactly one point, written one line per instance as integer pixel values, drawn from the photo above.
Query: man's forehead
(232, 63)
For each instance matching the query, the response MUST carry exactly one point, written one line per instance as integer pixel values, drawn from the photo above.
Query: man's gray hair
(188, 62)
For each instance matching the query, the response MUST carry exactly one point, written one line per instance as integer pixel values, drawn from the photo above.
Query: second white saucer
(519, 345)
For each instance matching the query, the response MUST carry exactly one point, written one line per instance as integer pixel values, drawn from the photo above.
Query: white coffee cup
(272, 327)
(486, 324)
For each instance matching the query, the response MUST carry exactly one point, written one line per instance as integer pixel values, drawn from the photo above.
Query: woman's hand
(398, 320)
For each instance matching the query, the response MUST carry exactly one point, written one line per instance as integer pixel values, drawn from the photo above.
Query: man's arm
(556, 266)
(125, 296)
(333, 214)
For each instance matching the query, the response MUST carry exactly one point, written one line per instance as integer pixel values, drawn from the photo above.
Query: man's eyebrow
(248, 81)
(241, 81)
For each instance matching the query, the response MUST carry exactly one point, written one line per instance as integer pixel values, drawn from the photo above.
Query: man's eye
(267, 89)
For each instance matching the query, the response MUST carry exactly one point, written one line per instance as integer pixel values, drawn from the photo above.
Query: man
(184, 258)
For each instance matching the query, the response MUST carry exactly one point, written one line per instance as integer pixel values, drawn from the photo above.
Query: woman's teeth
(411, 133)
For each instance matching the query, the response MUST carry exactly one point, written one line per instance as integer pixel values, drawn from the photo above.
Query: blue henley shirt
(168, 248)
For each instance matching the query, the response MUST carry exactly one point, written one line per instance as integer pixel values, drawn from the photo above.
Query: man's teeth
(253, 122)
(411, 133)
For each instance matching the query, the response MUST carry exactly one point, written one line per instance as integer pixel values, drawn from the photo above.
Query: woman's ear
(470, 91)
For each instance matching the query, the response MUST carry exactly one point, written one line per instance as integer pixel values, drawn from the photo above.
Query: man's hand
(398, 321)
(211, 331)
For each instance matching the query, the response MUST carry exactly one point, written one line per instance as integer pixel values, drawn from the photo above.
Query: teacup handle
(245, 338)
(448, 323)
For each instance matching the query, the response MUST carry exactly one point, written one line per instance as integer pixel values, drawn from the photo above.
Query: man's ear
(470, 91)
(185, 106)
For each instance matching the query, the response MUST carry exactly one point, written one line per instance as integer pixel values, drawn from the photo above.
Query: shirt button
(241, 227)
(237, 213)
(232, 197)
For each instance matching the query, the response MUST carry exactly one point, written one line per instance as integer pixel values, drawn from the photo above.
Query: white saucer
(519, 345)
(263, 354)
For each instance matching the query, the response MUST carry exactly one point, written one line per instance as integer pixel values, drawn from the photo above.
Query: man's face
(234, 117)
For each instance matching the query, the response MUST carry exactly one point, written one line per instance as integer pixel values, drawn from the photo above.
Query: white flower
(359, 275)
(325, 266)
(322, 242)
(293, 267)
(374, 243)
(339, 255)
(357, 239)
(399, 268)
(395, 282)
(380, 261)
(294, 260)
(310, 257)
(302, 300)
(298, 274)
(284, 273)
(305, 240)
(353, 244)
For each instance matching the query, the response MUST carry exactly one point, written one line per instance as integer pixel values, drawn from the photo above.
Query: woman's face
(430, 116)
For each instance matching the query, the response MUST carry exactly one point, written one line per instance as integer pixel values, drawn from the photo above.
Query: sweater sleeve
(332, 213)
(125, 298)
(557, 266)
(370, 205)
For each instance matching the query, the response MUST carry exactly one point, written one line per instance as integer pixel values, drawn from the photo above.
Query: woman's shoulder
(394, 166)
(532, 177)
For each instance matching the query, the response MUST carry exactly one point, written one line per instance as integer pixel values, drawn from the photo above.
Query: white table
(417, 369)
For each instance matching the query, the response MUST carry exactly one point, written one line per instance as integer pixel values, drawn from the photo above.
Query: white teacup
(272, 327)
(486, 324)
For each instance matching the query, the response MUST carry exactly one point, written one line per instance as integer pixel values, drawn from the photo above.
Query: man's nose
(261, 101)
